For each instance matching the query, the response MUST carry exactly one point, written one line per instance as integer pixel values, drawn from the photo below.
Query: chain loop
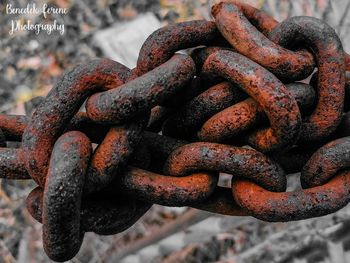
(165, 130)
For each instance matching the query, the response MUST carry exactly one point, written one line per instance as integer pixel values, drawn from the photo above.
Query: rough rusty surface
(143, 93)
(165, 190)
(326, 162)
(200, 55)
(62, 234)
(240, 162)
(12, 165)
(297, 205)
(111, 156)
(99, 213)
(147, 124)
(250, 42)
(64, 100)
(260, 19)
(327, 48)
(248, 114)
(274, 98)
(163, 43)
(220, 202)
(13, 126)
(186, 121)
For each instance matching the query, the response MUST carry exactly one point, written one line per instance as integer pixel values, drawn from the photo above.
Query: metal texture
(278, 103)
(163, 132)
(250, 42)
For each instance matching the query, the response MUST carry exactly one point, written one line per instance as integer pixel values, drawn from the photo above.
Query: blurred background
(31, 64)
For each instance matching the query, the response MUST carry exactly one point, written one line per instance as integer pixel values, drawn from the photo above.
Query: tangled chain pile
(236, 86)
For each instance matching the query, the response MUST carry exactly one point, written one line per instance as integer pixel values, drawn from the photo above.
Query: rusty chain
(163, 131)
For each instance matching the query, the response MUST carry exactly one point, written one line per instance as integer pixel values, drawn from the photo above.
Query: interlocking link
(162, 133)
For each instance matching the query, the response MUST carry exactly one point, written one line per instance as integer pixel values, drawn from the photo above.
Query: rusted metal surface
(326, 162)
(12, 165)
(62, 235)
(250, 42)
(101, 214)
(134, 97)
(13, 126)
(186, 121)
(111, 156)
(327, 47)
(278, 103)
(50, 118)
(148, 126)
(297, 205)
(324, 172)
(220, 202)
(248, 114)
(163, 43)
(241, 162)
(166, 190)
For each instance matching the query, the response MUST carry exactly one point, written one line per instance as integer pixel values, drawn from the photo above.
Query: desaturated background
(29, 67)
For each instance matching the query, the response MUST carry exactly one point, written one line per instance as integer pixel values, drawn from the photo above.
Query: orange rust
(240, 162)
(166, 190)
(297, 205)
(326, 162)
(248, 114)
(248, 41)
(220, 202)
(274, 98)
(54, 113)
(327, 48)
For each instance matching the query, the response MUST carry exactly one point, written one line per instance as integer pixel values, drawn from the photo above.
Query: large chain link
(166, 129)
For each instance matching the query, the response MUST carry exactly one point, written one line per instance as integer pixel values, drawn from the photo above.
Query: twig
(189, 218)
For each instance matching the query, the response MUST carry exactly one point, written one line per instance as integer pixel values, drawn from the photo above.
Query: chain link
(165, 130)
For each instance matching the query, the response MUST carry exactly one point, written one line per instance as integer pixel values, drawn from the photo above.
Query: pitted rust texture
(327, 47)
(241, 162)
(220, 202)
(248, 114)
(326, 162)
(99, 214)
(112, 154)
(261, 20)
(13, 126)
(248, 41)
(49, 120)
(160, 46)
(189, 118)
(143, 93)
(277, 102)
(135, 164)
(166, 190)
(290, 206)
(62, 234)
(12, 165)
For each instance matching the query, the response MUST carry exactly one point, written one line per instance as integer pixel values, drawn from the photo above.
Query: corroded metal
(278, 103)
(134, 97)
(241, 162)
(297, 205)
(147, 128)
(250, 42)
(328, 49)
